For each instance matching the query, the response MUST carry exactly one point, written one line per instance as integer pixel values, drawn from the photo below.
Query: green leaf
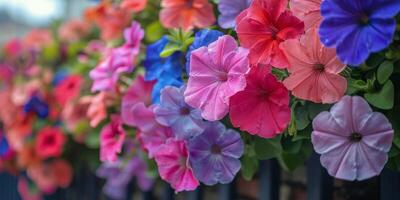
(93, 140)
(169, 49)
(302, 119)
(314, 109)
(384, 71)
(291, 146)
(249, 166)
(290, 161)
(267, 148)
(303, 134)
(383, 99)
(154, 31)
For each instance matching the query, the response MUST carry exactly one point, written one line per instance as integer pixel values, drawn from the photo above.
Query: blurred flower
(98, 104)
(62, 172)
(19, 129)
(185, 121)
(262, 108)
(13, 48)
(263, 26)
(112, 137)
(27, 156)
(202, 38)
(133, 37)
(229, 10)
(5, 151)
(74, 30)
(139, 92)
(119, 175)
(174, 167)
(38, 38)
(358, 28)
(49, 142)
(186, 14)
(38, 106)
(133, 5)
(164, 81)
(26, 191)
(309, 11)
(75, 120)
(352, 139)
(215, 154)
(216, 73)
(314, 70)
(68, 89)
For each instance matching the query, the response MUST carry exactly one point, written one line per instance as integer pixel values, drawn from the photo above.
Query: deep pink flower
(138, 93)
(112, 137)
(68, 89)
(262, 108)
(352, 139)
(50, 142)
(216, 73)
(174, 166)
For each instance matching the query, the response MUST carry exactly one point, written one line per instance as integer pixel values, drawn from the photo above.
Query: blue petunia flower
(156, 66)
(59, 76)
(164, 81)
(215, 154)
(357, 28)
(37, 106)
(185, 121)
(201, 39)
(5, 150)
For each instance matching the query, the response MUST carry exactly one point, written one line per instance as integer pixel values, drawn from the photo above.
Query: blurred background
(19, 16)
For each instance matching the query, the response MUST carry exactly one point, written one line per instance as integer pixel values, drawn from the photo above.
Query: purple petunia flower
(352, 139)
(185, 121)
(358, 27)
(215, 154)
(230, 9)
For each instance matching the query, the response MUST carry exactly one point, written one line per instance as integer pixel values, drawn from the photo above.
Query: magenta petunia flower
(185, 121)
(215, 154)
(352, 139)
(217, 72)
(152, 134)
(138, 93)
(112, 137)
(174, 166)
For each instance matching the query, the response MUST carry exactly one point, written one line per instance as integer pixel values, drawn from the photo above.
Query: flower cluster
(201, 89)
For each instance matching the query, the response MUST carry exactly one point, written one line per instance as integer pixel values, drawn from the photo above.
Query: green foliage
(384, 98)
(178, 41)
(267, 148)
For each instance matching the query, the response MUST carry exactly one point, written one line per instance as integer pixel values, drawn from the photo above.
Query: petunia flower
(174, 167)
(216, 73)
(49, 142)
(358, 28)
(133, 5)
(138, 93)
(215, 154)
(151, 133)
(309, 11)
(26, 191)
(229, 10)
(164, 81)
(262, 108)
(186, 14)
(5, 150)
(314, 70)
(112, 137)
(185, 121)
(263, 26)
(97, 110)
(74, 30)
(38, 106)
(68, 89)
(352, 139)
(202, 38)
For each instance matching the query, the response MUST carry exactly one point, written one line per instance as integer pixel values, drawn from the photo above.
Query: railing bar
(227, 191)
(390, 185)
(270, 179)
(195, 195)
(168, 194)
(147, 195)
(319, 182)
(130, 190)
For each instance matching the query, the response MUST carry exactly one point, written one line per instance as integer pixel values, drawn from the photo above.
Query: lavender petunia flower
(358, 27)
(229, 10)
(352, 139)
(215, 154)
(119, 174)
(185, 121)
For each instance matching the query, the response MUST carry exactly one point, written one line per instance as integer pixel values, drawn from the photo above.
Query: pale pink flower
(309, 11)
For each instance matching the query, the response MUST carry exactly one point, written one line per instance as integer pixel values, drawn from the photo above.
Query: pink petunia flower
(352, 139)
(309, 11)
(263, 26)
(97, 110)
(112, 137)
(314, 70)
(262, 108)
(216, 73)
(152, 134)
(68, 89)
(138, 93)
(133, 5)
(174, 166)
(50, 142)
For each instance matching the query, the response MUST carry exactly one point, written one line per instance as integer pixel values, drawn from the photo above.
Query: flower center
(364, 19)
(215, 149)
(223, 76)
(355, 137)
(184, 111)
(49, 140)
(319, 67)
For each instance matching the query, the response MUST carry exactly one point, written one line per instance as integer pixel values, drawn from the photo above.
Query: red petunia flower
(262, 108)
(68, 89)
(263, 26)
(49, 142)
